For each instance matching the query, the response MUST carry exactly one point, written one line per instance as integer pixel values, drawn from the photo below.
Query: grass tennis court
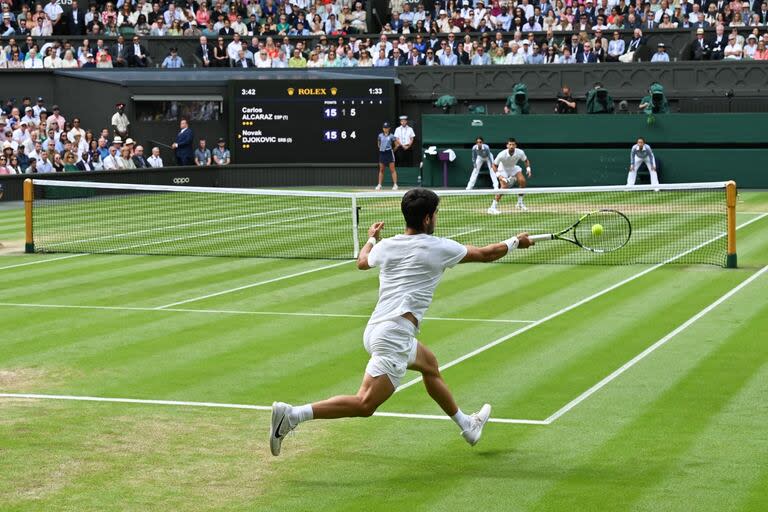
(681, 427)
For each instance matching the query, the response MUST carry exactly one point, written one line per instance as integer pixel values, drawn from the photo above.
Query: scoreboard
(308, 121)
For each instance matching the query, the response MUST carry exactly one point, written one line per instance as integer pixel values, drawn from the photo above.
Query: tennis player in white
(641, 154)
(481, 154)
(411, 267)
(506, 169)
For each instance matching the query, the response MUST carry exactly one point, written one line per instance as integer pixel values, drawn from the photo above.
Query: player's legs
(521, 183)
(503, 183)
(373, 392)
(471, 425)
(426, 364)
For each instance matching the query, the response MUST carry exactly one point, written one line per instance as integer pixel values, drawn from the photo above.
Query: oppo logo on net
(180, 181)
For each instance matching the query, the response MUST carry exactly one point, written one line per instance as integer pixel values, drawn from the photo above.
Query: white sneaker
(479, 419)
(521, 206)
(394, 187)
(493, 211)
(378, 187)
(281, 425)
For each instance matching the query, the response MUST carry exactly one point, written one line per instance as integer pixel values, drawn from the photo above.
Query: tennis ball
(597, 229)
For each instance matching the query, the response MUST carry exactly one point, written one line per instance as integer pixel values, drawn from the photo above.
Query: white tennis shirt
(509, 161)
(411, 268)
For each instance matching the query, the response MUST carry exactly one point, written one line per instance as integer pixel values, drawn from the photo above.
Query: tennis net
(680, 223)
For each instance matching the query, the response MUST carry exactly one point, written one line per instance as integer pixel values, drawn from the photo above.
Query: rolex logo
(291, 90)
(334, 91)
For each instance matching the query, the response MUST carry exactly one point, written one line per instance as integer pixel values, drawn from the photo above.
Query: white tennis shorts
(515, 171)
(392, 345)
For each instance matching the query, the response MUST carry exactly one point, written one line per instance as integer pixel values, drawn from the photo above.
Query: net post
(730, 201)
(29, 197)
(355, 238)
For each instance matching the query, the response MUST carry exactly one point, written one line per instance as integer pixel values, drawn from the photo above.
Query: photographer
(565, 103)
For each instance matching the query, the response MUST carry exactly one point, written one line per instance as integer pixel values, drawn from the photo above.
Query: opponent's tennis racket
(615, 233)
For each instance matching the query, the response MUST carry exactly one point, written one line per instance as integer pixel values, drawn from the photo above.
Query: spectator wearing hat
(120, 121)
(183, 144)
(173, 61)
(29, 117)
(39, 107)
(661, 54)
(700, 46)
(56, 119)
(220, 153)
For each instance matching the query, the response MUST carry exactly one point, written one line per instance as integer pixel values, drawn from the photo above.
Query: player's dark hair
(642, 139)
(416, 205)
(480, 139)
(512, 139)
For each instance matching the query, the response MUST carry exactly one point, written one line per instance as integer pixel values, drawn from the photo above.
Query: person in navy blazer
(183, 144)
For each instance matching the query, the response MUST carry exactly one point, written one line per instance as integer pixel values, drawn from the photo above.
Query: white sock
(300, 413)
(462, 420)
(520, 199)
(493, 205)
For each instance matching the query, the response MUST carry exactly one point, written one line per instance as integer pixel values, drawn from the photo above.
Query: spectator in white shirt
(155, 160)
(733, 50)
(110, 161)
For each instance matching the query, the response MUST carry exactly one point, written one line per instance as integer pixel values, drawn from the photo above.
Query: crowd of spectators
(37, 139)
(263, 33)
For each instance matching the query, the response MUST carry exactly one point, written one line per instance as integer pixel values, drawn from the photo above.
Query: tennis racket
(615, 233)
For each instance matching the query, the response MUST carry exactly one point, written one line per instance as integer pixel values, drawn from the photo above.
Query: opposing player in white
(411, 267)
(506, 169)
(481, 154)
(641, 154)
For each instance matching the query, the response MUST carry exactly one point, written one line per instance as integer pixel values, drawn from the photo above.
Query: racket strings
(615, 232)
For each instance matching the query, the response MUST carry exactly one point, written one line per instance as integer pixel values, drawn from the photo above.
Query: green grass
(683, 429)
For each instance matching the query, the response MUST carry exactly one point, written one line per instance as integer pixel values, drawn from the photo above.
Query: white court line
(261, 313)
(173, 226)
(43, 261)
(253, 285)
(575, 305)
(36, 396)
(629, 364)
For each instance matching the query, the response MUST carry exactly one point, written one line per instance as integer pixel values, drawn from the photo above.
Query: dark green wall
(594, 150)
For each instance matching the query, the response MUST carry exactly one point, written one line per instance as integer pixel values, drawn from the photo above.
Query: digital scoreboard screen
(308, 121)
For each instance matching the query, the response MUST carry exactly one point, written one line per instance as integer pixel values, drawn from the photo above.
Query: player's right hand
(375, 230)
(524, 241)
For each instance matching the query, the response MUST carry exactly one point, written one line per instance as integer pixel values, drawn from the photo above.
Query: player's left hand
(375, 230)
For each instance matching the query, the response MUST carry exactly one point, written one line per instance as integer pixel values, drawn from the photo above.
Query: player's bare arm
(374, 232)
(528, 171)
(493, 252)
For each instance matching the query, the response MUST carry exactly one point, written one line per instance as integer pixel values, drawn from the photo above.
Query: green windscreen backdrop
(576, 150)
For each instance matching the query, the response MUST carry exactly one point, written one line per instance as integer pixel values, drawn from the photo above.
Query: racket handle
(539, 238)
